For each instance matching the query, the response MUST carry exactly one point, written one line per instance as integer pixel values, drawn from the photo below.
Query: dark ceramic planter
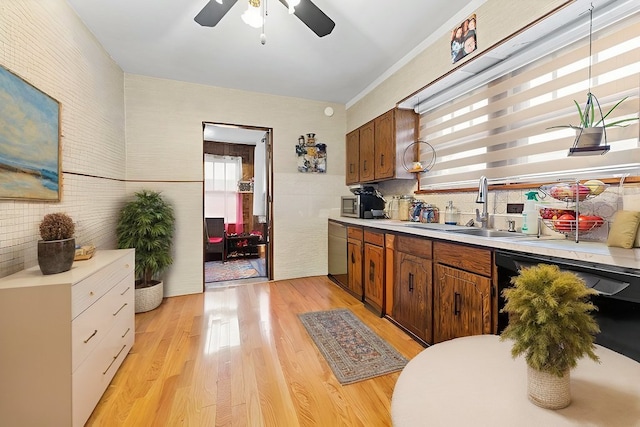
(56, 256)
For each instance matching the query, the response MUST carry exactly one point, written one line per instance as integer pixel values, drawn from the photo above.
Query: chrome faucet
(483, 197)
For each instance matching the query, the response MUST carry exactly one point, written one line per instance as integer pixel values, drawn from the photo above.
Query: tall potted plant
(57, 248)
(147, 224)
(550, 323)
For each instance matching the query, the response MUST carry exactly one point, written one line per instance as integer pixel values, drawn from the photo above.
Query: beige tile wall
(44, 43)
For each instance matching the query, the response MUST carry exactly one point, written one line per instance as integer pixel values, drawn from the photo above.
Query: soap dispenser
(450, 214)
(530, 214)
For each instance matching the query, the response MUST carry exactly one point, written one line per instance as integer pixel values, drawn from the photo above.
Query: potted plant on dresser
(550, 323)
(57, 248)
(147, 224)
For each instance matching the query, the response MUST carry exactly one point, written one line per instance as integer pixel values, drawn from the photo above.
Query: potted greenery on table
(550, 323)
(57, 248)
(147, 224)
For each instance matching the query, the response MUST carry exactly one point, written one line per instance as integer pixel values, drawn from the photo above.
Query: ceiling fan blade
(313, 17)
(213, 12)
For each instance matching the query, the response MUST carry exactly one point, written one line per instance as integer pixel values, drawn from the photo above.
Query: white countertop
(595, 252)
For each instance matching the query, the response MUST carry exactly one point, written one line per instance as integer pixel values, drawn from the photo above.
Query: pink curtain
(239, 223)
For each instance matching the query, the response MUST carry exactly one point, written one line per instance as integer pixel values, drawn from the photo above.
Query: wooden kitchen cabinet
(354, 262)
(463, 291)
(413, 287)
(373, 270)
(374, 150)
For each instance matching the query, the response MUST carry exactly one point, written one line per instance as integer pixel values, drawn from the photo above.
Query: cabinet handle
(120, 309)
(125, 291)
(91, 336)
(365, 165)
(372, 271)
(457, 302)
(350, 167)
(381, 159)
(353, 259)
(410, 282)
(114, 359)
(125, 333)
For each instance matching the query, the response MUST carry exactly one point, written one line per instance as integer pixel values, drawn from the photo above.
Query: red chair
(214, 237)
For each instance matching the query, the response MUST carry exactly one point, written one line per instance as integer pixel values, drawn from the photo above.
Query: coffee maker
(370, 202)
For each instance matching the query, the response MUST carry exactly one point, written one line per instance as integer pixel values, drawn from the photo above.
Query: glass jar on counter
(404, 207)
(392, 207)
(429, 214)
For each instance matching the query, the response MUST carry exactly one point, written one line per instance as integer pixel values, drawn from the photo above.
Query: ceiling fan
(306, 11)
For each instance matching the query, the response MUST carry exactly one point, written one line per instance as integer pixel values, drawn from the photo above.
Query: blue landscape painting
(29, 141)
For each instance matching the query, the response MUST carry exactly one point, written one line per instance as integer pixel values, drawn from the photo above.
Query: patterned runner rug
(218, 271)
(354, 352)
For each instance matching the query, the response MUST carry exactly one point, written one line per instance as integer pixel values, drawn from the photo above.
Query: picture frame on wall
(29, 141)
(464, 39)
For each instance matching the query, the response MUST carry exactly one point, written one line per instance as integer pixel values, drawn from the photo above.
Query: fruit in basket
(583, 191)
(561, 192)
(589, 222)
(595, 187)
(552, 213)
(565, 222)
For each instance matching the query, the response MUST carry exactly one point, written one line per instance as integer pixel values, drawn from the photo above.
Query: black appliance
(618, 298)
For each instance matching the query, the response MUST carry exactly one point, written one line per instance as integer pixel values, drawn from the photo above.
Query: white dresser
(63, 337)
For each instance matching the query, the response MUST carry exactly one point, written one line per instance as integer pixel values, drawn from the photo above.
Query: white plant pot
(547, 390)
(149, 298)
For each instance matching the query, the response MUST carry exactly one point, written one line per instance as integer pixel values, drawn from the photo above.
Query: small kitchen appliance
(366, 203)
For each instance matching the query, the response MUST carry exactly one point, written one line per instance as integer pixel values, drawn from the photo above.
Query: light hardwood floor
(239, 356)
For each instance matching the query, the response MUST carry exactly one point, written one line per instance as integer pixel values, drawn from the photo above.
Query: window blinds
(500, 130)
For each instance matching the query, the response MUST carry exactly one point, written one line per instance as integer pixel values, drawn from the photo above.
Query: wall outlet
(515, 208)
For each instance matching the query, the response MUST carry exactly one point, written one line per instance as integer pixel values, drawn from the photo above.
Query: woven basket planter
(547, 390)
(149, 297)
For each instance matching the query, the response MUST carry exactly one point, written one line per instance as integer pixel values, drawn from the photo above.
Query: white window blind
(500, 130)
(221, 176)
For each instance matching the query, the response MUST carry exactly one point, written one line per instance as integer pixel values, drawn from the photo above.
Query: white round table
(474, 381)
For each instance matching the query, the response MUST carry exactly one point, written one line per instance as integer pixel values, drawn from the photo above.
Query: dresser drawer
(93, 324)
(89, 290)
(93, 376)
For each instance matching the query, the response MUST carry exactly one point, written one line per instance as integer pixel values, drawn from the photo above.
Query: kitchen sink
(486, 232)
(433, 226)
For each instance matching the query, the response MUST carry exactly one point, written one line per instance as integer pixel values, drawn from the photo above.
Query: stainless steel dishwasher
(337, 255)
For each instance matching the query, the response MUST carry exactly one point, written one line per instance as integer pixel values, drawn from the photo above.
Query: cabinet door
(354, 266)
(462, 304)
(353, 157)
(373, 269)
(367, 159)
(413, 297)
(385, 147)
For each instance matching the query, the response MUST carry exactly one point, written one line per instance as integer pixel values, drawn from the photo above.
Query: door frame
(269, 185)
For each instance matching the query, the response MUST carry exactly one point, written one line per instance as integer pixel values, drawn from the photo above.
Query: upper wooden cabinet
(374, 150)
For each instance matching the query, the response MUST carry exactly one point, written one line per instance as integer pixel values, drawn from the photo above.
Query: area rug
(354, 352)
(218, 271)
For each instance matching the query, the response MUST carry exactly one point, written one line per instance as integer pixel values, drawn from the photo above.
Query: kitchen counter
(552, 246)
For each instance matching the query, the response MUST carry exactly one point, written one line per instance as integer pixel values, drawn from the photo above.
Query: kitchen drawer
(89, 290)
(419, 247)
(93, 376)
(374, 238)
(474, 260)
(93, 324)
(354, 233)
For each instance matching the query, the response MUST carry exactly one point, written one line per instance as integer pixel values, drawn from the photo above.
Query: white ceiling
(159, 38)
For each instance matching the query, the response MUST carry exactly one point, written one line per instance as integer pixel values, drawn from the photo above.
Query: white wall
(165, 152)
(44, 43)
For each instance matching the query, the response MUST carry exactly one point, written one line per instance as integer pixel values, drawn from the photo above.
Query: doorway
(237, 210)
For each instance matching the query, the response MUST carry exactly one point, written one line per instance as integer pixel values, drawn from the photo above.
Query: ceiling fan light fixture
(253, 16)
(292, 4)
(219, 1)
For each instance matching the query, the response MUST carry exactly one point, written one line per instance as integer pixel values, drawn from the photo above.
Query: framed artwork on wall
(464, 39)
(312, 158)
(29, 141)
